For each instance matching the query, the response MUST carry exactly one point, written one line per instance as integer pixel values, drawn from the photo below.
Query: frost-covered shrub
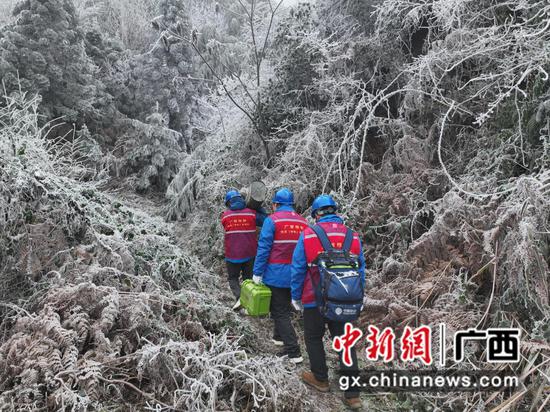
(100, 307)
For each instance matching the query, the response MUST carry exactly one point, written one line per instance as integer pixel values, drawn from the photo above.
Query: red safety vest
(240, 233)
(336, 233)
(288, 226)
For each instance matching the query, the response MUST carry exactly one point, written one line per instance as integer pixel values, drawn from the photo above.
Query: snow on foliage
(428, 120)
(101, 308)
(431, 127)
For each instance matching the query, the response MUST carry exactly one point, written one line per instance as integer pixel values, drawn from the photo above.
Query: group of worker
(284, 260)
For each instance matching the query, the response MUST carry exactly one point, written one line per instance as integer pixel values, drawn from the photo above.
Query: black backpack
(339, 292)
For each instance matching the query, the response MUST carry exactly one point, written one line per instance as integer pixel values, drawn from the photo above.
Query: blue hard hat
(283, 197)
(321, 202)
(231, 194)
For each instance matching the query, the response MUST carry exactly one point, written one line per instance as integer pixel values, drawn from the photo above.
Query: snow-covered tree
(43, 52)
(152, 152)
(159, 80)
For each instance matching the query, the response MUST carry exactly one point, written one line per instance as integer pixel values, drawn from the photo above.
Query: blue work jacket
(273, 274)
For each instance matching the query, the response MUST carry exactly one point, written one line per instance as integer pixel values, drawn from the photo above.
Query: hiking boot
(237, 304)
(310, 379)
(353, 403)
(295, 359)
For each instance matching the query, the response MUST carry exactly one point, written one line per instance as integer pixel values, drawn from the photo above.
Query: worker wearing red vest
(304, 274)
(239, 223)
(278, 238)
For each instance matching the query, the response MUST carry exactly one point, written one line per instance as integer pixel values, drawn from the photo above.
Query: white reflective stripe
(331, 234)
(238, 215)
(240, 231)
(285, 241)
(290, 220)
(328, 234)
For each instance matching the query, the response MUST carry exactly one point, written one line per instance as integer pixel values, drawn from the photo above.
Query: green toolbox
(255, 298)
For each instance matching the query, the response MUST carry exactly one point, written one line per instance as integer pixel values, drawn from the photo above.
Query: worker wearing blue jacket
(304, 275)
(278, 238)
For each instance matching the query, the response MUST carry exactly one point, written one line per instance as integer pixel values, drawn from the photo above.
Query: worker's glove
(297, 304)
(257, 279)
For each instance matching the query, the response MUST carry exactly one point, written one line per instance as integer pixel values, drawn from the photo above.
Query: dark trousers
(234, 271)
(281, 311)
(314, 331)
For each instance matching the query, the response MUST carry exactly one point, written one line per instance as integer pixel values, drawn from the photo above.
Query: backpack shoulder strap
(348, 241)
(323, 238)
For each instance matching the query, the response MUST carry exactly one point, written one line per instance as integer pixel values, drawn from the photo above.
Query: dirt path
(319, 401)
